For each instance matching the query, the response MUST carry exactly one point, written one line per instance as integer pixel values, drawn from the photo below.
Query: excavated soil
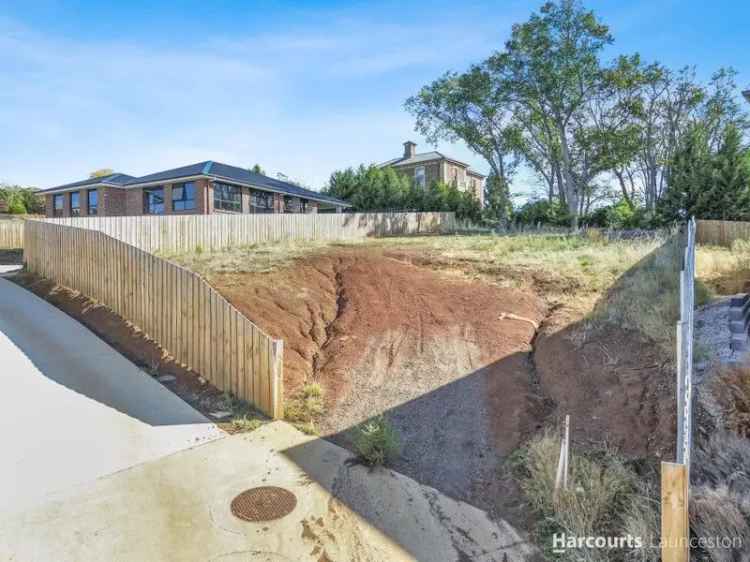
(447, 360)
(465, 369)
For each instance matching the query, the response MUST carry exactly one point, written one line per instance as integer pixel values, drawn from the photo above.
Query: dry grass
(731, 389)
(720, 495)
(725, 271)
(576, 271)
(603, 498)
(305, 408)
(257, 258)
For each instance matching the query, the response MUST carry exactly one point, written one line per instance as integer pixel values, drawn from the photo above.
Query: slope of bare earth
(446, 358)
(466, 357)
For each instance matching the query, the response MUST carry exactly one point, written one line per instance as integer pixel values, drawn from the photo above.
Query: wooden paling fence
(721, 233)
(185, 233)
(11, 234)
(172, 305)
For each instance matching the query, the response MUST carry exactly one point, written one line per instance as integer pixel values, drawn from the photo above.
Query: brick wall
(133, 201)
(48, 210)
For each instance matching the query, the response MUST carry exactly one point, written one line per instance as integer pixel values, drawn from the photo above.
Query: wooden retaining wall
(722, 233)
(174, 233)
(172, 305)
(11, 234)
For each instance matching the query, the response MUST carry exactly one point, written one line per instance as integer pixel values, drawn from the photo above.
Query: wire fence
(684, 350)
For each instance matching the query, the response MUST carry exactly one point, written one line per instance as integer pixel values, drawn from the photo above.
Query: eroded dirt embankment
(445, 357)
(465, 369)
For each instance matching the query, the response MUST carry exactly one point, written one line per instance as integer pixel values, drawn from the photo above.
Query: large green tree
(705, 183)
(469, 107)
(551, 65)
(371, 188)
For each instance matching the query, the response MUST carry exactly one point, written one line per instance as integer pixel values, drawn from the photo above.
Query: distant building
(203, 188)
(428, 167)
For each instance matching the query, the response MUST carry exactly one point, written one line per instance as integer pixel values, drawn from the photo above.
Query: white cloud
(304, 102)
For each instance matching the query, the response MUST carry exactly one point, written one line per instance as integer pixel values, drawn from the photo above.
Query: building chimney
(410, 149)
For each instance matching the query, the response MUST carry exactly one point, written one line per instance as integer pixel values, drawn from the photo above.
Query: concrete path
(178, 509)
(73, 409)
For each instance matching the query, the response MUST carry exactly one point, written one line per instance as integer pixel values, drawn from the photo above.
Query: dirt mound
(446, 358)
(449, 359)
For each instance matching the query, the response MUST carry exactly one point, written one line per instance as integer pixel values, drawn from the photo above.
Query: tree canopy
(596, 134)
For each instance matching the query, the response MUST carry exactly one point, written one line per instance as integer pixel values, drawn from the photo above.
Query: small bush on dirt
(376, 441)
(305, 408)
(603, 498)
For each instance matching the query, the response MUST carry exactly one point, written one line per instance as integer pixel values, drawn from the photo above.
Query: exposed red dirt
(617, 387)
(449, 360)
(446, 358)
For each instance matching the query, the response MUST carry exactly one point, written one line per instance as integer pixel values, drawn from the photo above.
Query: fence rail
(11, 234)
(213, 232)
(685, 327)
(722, 233)
(172, 305)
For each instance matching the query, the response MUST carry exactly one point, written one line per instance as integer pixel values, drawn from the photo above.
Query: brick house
(429, 167)
(203, 188)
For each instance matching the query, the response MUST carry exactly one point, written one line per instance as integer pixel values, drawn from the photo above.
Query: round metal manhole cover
(264, 503)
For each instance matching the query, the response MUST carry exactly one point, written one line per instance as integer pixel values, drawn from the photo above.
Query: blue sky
(302, 88)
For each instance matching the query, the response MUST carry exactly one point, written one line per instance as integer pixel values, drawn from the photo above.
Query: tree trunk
(570, 188)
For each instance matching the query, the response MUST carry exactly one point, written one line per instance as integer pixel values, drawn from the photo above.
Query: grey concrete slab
(73, 409)
(178, 509)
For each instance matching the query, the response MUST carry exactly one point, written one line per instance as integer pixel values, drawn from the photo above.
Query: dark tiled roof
(173, 174)
(112, 179)
(259, 180)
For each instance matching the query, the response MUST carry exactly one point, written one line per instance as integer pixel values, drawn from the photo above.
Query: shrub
(16, 207)
(602, 498)
(551, 213)
(376, 441)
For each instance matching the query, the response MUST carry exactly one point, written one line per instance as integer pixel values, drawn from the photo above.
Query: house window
(419, 176)
(183, 196)
(75, 204)
(227, 197)
(92, 201)
(261, 202)
(291, 204)
(153, 201)
(58, 204)
(454, 176)
(303, 205)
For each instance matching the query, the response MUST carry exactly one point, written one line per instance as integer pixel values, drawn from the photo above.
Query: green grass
(305, 408)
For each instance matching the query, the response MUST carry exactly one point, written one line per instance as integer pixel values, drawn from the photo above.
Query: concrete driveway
(178, 509)
(73, 409)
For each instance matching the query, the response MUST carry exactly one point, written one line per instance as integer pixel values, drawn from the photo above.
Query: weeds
(731, 389)
(720, 494)
(376, 441)
(603, 498)
(305, 408)
(243, 424)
